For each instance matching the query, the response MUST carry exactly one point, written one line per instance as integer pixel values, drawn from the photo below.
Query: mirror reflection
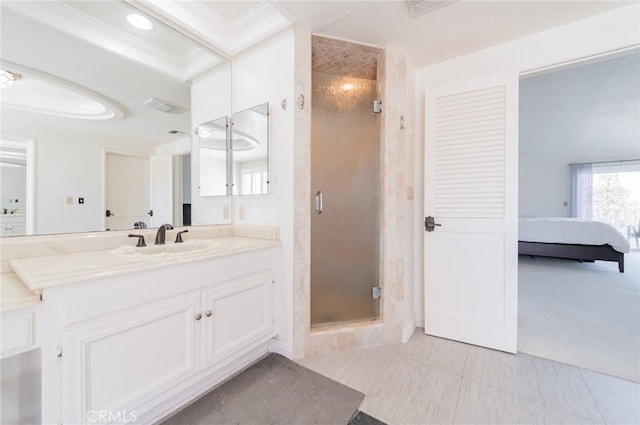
(15, 179)
(250, 150)
(109, 110)
(213, 143)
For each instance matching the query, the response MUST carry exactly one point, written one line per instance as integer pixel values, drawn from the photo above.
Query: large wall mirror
(250, 150)
(107, 98)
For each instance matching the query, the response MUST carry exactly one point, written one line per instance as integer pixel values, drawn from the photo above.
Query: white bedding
(571, 231)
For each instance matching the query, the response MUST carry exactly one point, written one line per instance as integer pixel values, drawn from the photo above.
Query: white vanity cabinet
(117, 363)
(236, 315)
(18, 331)
(143, 344)
(13, 225)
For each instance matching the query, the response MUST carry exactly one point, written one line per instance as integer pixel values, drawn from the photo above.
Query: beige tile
(410, 392)
(545, 381)
(357, 369)
(436, 352)
(481, 404)
(617, 399)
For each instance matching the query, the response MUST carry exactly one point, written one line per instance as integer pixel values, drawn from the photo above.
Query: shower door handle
(319, 202)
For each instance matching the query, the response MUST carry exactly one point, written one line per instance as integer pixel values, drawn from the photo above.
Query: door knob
(208, 313)
(430, 224)
(198, 316)
(109, 213)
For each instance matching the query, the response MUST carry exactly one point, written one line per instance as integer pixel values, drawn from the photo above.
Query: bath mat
(361, 418)
(275, 391)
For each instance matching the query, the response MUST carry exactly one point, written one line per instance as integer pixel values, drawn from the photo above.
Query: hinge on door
(376, 292)
(59, 353)
(377, 106)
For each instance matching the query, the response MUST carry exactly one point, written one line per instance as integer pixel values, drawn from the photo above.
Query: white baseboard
(278, 347)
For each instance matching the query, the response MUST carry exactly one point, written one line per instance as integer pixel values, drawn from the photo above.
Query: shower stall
(345, 183)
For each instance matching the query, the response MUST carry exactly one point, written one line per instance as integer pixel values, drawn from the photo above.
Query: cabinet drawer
(18, 332)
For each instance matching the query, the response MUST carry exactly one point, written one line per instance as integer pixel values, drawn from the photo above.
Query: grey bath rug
(361, 418)
(274, 391)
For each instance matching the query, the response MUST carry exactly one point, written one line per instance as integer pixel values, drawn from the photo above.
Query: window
(608, 192)
(254, 182)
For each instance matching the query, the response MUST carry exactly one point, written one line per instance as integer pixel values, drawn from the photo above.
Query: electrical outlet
(410, 193)
(69, 200)
(241, 212)
(81, 200)
(225, 212)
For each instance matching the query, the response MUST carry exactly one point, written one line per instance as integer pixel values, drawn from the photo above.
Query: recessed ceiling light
(140, 22)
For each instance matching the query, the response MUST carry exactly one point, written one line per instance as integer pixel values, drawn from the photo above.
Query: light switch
(69, 200)
(81, 200)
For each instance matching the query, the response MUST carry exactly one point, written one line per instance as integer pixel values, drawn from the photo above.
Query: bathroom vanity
(13, 224)
(134, 334)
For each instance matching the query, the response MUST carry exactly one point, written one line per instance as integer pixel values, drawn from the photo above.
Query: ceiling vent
(159, 105)
(422, 7)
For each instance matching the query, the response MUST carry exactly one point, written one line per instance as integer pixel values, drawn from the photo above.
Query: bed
(571, 238)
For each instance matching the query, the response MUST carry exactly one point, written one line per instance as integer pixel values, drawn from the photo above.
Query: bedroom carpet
(583, 314)
(276, 391)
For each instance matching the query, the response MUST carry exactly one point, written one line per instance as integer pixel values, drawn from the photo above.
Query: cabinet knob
(198, 316)
(208, 313)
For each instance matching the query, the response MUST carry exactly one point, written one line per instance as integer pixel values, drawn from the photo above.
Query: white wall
(266, 74)
(210, 100)
(543, 188)
(70, 164)
(579, 114)
(606, 32)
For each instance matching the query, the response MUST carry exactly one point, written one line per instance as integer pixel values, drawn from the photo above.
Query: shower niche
(345, 183)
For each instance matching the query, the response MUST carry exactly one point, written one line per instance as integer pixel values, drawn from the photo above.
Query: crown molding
(72, 21)
(228, 37)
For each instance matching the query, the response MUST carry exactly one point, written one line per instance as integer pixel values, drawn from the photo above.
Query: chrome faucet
(161, 234)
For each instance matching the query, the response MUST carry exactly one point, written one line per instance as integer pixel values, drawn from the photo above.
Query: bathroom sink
(169, 249)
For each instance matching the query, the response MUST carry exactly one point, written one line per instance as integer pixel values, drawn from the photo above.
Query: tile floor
(431, 380)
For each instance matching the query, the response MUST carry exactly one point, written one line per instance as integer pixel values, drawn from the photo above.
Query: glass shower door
(345, 188)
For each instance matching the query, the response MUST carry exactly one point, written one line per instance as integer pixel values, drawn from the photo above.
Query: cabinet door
(237, 316)
(115, 364)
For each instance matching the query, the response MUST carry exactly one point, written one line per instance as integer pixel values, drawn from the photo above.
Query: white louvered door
(471, 189)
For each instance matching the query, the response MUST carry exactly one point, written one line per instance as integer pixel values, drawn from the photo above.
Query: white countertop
(14, 294)
(45, 272)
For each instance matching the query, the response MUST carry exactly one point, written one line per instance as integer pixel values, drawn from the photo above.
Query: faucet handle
(141, 241)
(179, 236)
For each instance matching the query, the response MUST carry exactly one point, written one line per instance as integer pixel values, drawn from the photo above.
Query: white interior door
(127, 191)
(161, 190)
(471, 190)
